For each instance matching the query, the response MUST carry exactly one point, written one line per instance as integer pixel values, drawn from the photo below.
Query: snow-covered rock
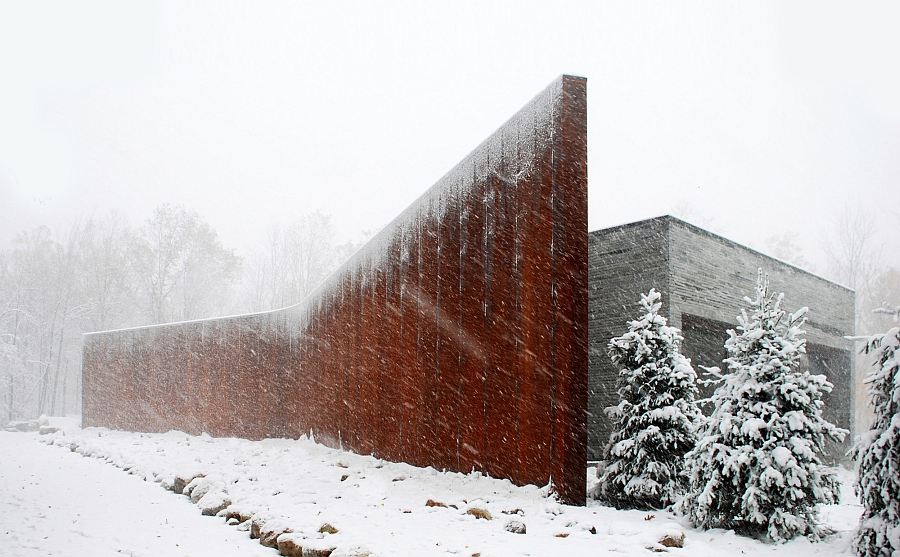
(213, 503)
(515, 526)
(297, 484)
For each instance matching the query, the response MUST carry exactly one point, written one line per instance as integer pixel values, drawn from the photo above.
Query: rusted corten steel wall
(456, 338)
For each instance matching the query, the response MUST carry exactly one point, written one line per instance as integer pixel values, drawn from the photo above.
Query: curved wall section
(456, 338)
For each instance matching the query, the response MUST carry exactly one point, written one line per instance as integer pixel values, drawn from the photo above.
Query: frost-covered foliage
(878, 451)
(655, 420)
(756, 467)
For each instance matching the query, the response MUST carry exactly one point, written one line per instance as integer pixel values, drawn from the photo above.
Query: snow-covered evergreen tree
(756, 467)
(655, 420)
(878, 451)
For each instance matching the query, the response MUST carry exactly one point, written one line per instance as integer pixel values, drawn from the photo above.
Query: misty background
(167, 161)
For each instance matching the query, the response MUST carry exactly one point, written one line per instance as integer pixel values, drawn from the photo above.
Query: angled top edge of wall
(541, 118)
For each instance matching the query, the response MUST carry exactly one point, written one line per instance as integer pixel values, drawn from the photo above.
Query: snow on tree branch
(756, 468)
(654, 422)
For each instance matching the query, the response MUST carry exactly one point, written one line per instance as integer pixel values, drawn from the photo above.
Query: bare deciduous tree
(854, 259)
(785, 247)
(107, 284)
(12, 376)
(886, 294)
(181, 267)
(100, 274)
(41, 292)
(687, 211)
(296, 259)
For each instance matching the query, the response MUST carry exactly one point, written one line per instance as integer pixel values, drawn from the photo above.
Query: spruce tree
(878, 451)
(756, 467)
(655, 420)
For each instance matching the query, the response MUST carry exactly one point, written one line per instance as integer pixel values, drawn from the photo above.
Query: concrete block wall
(622, 262)
(703, 279)
(711, 275)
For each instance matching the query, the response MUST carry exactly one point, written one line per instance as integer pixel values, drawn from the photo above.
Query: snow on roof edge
(704, 231)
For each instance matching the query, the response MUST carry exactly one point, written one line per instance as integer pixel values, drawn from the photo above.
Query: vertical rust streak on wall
(375, 326)
(456, 338)
(370, 402)
(428, 323)
(390, 376)
(356, 377)
(409, 384)
(448, 355)
(340, 401)
(503, 399)
(380, 320)
(536, 354)
(570, 281)
(473, 350)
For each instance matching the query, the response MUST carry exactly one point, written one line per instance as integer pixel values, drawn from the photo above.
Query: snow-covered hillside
(58, 502)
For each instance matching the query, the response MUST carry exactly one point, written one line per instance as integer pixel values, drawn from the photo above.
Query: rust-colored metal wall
(456, 338)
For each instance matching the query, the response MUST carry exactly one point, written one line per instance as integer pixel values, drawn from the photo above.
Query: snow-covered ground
(54, 502)
(57, 502)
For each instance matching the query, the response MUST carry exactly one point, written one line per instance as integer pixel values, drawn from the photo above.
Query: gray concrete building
(703, 279)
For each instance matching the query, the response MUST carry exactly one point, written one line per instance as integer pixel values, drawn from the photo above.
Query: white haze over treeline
(265, 138)
(106, 273)
(753, 120)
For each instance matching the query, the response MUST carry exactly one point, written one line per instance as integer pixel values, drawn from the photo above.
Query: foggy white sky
(753, 119)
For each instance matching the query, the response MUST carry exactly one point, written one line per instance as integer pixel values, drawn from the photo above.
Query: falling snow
(116, 482)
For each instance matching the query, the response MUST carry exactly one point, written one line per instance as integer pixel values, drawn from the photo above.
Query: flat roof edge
(669, 219)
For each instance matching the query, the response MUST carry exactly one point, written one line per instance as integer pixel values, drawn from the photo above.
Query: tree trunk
(59, 352)
(65, 380)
